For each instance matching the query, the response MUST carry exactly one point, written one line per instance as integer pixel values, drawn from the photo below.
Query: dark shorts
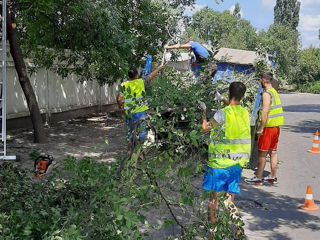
(196, 70)
(218, 179)
(130, 122)
(268, 141)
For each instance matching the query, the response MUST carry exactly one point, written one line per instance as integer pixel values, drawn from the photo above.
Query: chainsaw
(41, 165)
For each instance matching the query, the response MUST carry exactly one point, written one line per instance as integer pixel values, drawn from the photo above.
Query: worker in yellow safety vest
(268, 131)
(228, 155)
(130, 98)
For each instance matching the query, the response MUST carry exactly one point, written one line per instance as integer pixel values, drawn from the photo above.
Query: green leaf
(159, 222)
(167, 223)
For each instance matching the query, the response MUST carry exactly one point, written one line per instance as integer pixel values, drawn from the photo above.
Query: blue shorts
(130, 121)
(218, 179)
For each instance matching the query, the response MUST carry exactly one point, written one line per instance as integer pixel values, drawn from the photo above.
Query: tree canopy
(225, 29)
(237, 11)
(283, 41)
(101, 37)
(309, 66)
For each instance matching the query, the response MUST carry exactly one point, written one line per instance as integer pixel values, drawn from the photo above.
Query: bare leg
(261, 163)
(213, 207)
(273, 163)
(142, 151)
(129, 148)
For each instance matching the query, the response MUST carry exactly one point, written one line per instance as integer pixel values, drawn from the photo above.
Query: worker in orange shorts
(268, 131)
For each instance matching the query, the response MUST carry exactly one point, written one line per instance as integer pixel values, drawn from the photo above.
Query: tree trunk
(20, 66)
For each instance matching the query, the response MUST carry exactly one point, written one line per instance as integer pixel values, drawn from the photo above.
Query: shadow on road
(302, 108)
(305, 126)
(274, 213)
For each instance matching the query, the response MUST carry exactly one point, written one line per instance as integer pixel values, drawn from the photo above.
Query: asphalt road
(274, 210)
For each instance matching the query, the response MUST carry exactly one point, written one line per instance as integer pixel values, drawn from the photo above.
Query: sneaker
(254, 180)
(270, 180)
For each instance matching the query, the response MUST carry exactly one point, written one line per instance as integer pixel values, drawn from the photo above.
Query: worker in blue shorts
(228, 155)
(130, 99)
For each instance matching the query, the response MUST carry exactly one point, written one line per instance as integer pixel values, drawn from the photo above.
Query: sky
(260, 14)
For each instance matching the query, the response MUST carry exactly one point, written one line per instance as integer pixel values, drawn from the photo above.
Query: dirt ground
(83, 136)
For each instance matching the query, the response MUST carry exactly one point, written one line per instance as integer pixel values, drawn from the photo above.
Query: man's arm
(205, 125)
(151, 76)
(154, 73)
(178, 46)
(221, 98)
(119, 102)
(266, 99)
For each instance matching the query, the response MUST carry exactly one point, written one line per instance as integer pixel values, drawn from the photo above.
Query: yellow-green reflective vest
(235, 148)
(275, 116)
(132, 94)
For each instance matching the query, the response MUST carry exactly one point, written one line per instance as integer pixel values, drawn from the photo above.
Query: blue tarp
(227, 70)
(148, 66)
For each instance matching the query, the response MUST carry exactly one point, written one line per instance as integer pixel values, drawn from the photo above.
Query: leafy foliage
(309, 66)
(310, 88)
(237, 11)
(223, 28)
(285, 42)
(78, 208)
(96, 40)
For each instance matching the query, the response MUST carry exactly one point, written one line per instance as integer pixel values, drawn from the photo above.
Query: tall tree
(286, 13)
(20, 66)
(284, 36)
(237, 11)
(285, 42)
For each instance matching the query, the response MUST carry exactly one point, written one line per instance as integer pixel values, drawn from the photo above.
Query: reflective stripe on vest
(275, 115)
(235, 148)
(236, 141)
(133, 91)
(233, 156)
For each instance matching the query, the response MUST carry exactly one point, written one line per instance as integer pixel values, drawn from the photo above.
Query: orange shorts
(268, 141)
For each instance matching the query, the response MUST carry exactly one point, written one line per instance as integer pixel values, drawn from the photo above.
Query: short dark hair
(268, 76)
(199, 58)
(132, 73)
(237, 90)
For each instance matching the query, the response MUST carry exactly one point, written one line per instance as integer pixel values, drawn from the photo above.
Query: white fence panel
(55, 94)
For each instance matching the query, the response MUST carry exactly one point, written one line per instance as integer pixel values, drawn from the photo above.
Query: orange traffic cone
(309, 203)
(315, 145)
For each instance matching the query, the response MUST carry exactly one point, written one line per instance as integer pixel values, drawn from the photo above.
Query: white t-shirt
(220, 117)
